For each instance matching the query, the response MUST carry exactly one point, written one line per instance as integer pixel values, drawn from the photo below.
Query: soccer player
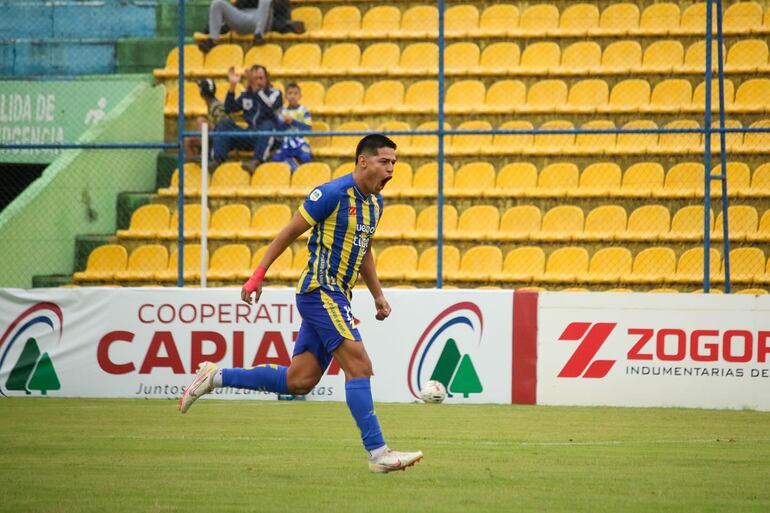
(343, 214)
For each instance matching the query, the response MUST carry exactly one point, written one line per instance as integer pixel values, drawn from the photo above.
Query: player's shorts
(327, 320)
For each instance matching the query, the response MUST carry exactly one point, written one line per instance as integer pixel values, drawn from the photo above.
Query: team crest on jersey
(316, 195)
(352, 211)
(248, 103)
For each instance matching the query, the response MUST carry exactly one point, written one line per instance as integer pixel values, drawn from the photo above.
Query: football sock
(358, 394)
(271, 378)
(216, 381)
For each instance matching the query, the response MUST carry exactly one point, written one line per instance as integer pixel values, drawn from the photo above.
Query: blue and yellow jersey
(343, 221)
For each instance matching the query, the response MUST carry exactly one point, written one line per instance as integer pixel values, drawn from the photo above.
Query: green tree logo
(456, 371)
(33, 371)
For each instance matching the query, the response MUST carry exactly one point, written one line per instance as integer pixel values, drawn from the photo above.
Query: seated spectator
(294, 150)
(216, 115)
(260, 103)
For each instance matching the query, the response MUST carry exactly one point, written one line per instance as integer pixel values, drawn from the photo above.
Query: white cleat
(201, 385)
(390, 461)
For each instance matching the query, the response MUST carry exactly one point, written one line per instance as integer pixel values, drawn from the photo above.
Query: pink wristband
(256, 279)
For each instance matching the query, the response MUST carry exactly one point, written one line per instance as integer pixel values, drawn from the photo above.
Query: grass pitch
(73, 455)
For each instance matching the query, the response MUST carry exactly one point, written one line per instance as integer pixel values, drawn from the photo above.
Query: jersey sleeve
(319, 204)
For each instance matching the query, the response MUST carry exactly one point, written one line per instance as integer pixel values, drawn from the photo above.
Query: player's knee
(300, 386)
(360, 367)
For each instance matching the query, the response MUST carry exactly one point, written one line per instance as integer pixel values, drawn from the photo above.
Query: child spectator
(294, 150)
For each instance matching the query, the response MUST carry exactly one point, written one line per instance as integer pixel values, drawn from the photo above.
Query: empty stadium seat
(619, 57)
(339, 22)
(505, 96)
(470, 144)
(651, 265)
(461, 20)
(538, 19)
(420, 21)
(229, 221)
(617, 20)
(604, 223)
(693, 19)
(566, 264)
(695, 58)
(191, 265)
(747, 56)
(681, 142)
(742, 222)
(562, 223)
(379, 20)
(307, 176)
(752, 95)
(382, 96)
(578, 19)
(688, 224)
(193, 61)
(427, 145)
(343, 97)
(683, 180)
(540, 58)
(342, 144)
(742, 18)
(670, 95)
(103, 263)
(581, 58)
(229, 262)
(421, 98)
(556, 179)
(648, 222)
(689, 269)
(426, 226)
(472, 180)
(301, 59)
(547, 143)
(747, 265)
(425, 180)
(401, 181)
(145, 261)
(595, 143)
(497, 20)
(269, 56)
(395, 262)
(641, 179)
(464, 96)
(524, 264)
(427, 264)
(228, 179)
(514, 179)
(662, 57)
(608, 265)
(757, 142)
(221, 58)
(478, 222)
(340, 59)
(193, 103)
(585, 96)
(598, 179)
(479, 263)
(763, 230)
(379, 58)
(738, 180)
(505, 144)
(699, 96)
(497, 59)
(192, 223)
(521, 222)
(630, 95)
(313, 94)
(659, 19)
(459, 58)
(147, 221)
(636, 142)
(268, 179)
(397, 222)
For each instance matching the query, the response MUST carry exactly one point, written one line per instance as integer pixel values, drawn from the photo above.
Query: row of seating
(506, 20)
(478, 222)
(480, 179)
(467, 58)
(588, 96)
(483, 263)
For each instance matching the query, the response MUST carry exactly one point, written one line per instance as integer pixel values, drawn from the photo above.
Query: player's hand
(246, 295)
(233, 76)
(383, 308)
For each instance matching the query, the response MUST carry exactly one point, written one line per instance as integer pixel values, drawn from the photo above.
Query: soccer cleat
(201, 385)
(390, 461)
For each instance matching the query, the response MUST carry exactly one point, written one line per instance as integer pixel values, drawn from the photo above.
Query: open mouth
(385, 181)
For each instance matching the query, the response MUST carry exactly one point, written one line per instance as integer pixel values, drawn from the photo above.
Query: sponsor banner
(97, 342)
(704, 351)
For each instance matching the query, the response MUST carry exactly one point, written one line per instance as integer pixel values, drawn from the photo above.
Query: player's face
(379, 168)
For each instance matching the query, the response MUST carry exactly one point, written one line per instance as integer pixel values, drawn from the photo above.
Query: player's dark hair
(371, 144)
(258, 67)
(293, 85)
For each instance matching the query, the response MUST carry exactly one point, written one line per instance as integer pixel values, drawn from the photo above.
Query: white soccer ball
(433, 392)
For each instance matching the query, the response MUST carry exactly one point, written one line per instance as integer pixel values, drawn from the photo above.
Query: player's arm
(369, 274)
(296, 227)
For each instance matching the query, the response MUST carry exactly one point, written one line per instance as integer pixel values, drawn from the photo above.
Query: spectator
(216, 115)
(294, 150)
(249, 17)
(260, 104)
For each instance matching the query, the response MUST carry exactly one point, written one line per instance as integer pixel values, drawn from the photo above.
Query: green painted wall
(77, 193)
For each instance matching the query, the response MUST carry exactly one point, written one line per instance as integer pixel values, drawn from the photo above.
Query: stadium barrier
(501, 347)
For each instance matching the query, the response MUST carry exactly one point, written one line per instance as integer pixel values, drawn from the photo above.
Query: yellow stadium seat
(699, 96)
(345, 144)
(470, 144)
(477, 223)
(687, 224)
(418, 59)
(144, 263)
(340, 59)
(763, 231)
(752, 96)
(403, 142)
(659, 19)
(268, 179)
(695, 58)
(461, 20)
(505, 144)
(742, 222)
(733, 140)
(694, 19)
(220, 59)
(313, 94)
(229, 262)
(757, 142)
(498, 59)
(662, 57)
(401, 181)
(310, 16)
(524, 264)
(514, 179)
(382, 96)
(192, 223)
(670, 95)
(618, 20)
(747, 265)
(343, 97)
(590, 143)
(193, 103)
(426, 226)
(377, 22)
(648, 222)
(753, 291)
(395, 262)
(681, 142)
(280, 268)
(193, 61)
(636, 142)
(620, 57)
(538, 19)
(545, 143)
(742, 18)
(581, 58)
(641, 179)
(738, 180)
(147, 221)
(191, 265)
(426, 266)
(497, 20)
(521, 222)
(339, 22)
(505, 96)
(397, 222)
(608, 265)
(269, 56)
(228, 179)
(379, 58)
(556, 179)
(479, 263)
(472, 179)
(760, 182)
(427, 145)
(310, 175)
(683, 180)
(540, 58)
(628, 95)
(578, 20)
(319, 143)
(599, 179)
(301, 59)
(604, 223)
(561, 223)
(420, 21)
(651, 265)
(421, 98)
(747, 56)
(103, 262)
(298, 264)
(585, 96)
(425, 180)
(545, 95)
(564, 265)
(464, 96)
(459, 58)
(229, 221)
(343, 169)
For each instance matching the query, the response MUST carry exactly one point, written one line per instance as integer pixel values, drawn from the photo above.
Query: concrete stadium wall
(77, 193)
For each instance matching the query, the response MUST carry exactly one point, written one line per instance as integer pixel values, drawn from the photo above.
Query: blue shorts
(327, 320)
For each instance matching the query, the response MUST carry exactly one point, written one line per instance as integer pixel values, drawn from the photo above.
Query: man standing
(343, 214)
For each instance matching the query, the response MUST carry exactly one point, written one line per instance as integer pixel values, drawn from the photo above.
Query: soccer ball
(433, 392)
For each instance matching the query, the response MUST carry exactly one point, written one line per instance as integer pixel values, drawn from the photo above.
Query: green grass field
(72, 455)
